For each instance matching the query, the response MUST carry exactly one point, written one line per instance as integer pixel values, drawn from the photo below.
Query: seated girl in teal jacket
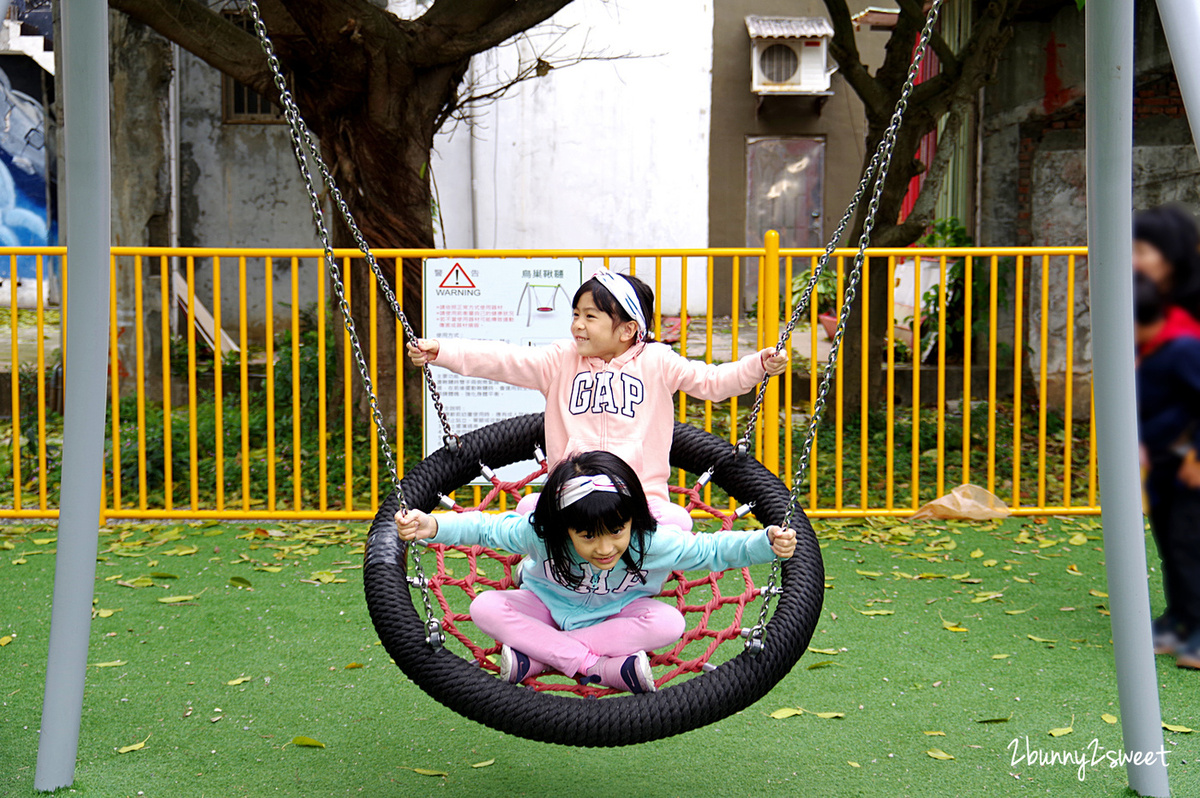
(596, 560)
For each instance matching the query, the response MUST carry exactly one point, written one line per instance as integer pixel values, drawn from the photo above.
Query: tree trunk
(383, 177)
(876, 304)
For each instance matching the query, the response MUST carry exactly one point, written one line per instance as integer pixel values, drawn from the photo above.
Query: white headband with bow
(576, 488)
(623, 291)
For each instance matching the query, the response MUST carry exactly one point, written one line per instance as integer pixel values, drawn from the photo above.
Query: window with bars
(241, 104)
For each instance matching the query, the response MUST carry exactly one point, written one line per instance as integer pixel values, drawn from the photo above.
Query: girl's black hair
(607, 303)
(1171, 229)
(598, 513)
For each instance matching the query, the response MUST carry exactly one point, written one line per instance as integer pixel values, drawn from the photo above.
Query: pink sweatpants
(520, 619)
(666, 512)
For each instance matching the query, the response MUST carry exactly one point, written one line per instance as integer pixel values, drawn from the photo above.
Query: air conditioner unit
(790, 55)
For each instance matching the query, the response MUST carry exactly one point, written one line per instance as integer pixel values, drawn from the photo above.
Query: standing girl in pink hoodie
(607, 389)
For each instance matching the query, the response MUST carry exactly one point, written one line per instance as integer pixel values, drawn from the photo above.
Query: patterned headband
(576, 488)
(623, 291)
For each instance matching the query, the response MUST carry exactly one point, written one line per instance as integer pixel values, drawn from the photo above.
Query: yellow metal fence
(232, 416)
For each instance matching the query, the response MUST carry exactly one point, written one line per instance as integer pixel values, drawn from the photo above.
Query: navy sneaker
(1187, 654)
(1166, 634)
(630, 673)
(516, 667)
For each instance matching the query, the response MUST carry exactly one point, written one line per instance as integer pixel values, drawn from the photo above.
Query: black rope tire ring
(477, 694)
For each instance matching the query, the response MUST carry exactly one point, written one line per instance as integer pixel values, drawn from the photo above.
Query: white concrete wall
(600, 154)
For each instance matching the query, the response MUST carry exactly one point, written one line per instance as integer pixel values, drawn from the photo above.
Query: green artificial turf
(894, 676)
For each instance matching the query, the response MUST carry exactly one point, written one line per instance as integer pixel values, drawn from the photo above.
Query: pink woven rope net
(732, 589)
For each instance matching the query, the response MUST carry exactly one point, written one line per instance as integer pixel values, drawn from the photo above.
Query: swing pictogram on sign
(457, 278)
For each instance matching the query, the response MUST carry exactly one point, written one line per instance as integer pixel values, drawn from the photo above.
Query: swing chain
(300, 131)
(302, 145)
(743, 445)
(878, 168)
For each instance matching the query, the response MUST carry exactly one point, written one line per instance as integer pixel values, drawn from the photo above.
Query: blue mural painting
(25, 219)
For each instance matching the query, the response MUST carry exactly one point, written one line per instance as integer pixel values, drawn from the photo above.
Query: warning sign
(457, 278)
(524, 302)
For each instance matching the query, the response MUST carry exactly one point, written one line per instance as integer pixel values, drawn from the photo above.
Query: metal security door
(785, 179)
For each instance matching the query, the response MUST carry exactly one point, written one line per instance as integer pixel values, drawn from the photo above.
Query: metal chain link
(878, 168)
(304, 147)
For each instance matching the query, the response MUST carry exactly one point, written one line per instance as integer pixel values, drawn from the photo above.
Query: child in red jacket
(1168, 386)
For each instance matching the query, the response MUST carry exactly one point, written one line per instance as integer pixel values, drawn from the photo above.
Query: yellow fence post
(769, 302)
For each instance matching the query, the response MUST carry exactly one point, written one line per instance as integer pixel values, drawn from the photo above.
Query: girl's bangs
(603, 298)
(597, 512)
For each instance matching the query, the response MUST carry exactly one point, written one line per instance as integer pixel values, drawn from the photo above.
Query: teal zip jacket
(602, 594)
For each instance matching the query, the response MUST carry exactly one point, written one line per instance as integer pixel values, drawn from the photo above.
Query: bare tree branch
(206, 34)
(898, 52)
(476, 96)
(460, 15)
(516, 18)
(946, 56)
(922, 213)
(844, 49)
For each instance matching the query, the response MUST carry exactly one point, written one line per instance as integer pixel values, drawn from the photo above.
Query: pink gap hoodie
(625, 406)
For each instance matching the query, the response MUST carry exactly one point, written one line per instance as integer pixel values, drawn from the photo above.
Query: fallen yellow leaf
(352, 666)
(825, 715)
(307, 741)
(1063, 730)
(484, 763)
(1078, 539)
(1097, 593)
(134, 747)
(4, 641)
(938, 753)
(116, 663)
(830, 651)
(427, 772)
(989, 563)
(853, 764)
(238, 680)
(786, 712)
(1107, 718)
(176, 599)
(975, 555)
(876, 612)
(1178, 729)
(1014, 612)
(1073, 570)
(1001, 656)
(1041, 639)
(866, 573)
(936, 733)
